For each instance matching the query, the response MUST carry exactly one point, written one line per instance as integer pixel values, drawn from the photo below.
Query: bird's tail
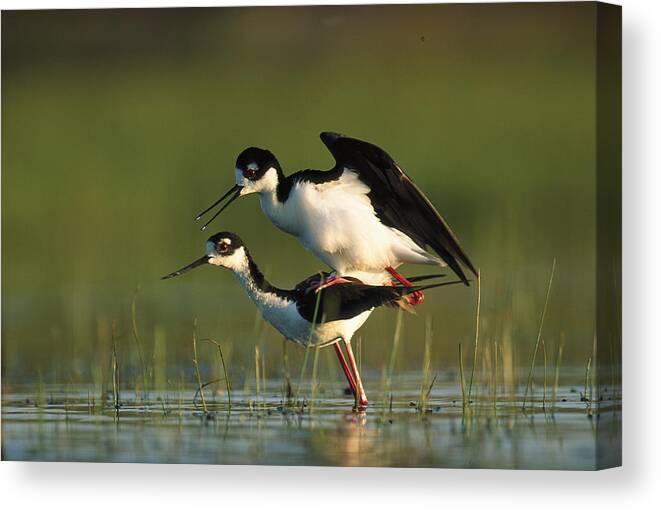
(405, 291)
(417, 288)
(425, 277)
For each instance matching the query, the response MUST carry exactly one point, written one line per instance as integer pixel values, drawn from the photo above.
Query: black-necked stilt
(340, 309)
(363, 218)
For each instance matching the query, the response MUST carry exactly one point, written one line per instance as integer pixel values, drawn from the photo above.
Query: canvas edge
(608, 125)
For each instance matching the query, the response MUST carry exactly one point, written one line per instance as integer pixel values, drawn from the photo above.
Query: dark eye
(222, 247)
(251, 173)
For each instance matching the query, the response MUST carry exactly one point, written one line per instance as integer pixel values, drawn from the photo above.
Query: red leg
(415, 298)
(361, 398)
(333, 280)
(345, 367)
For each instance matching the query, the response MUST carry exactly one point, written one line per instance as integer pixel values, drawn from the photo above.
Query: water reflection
(174, 431)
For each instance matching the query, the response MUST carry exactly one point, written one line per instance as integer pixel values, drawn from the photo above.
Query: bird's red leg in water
(414, 298)
(361, 398)
(345, 367)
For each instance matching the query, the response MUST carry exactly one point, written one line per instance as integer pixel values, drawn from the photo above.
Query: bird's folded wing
(344, 301)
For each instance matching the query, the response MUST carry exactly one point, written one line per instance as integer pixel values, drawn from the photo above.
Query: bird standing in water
(307, 318)
(364, 217)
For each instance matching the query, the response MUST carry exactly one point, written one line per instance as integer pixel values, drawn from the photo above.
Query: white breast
(281, 313)
(337, 222)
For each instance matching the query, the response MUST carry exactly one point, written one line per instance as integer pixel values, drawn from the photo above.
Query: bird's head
(223, 249)
(226, 249)
(256, 171)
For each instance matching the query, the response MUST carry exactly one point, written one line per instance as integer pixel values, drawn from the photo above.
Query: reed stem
(257, 378)
(307, 348)
(477, 333)
(539, 334)
(115, 372)
(228, 387)
(395, 346)
(558, 361)
(200, 388)
(425, 387)
(138, 342)
(544, 387)
(461, 377)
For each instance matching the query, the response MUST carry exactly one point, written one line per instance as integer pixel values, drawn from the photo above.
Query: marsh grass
(494, 377)
(200, 386)
(477, 333)
(558, 363)
(544, 385)
(507, 360)
(587, 387)
(263, 373)
(464, 402)
(40, 398)
(301, 404)
(313, 382)
(115, 372)
(539, 336)
(387, 371)
(287, 392)
(491, 384)
(180, 396)
(138, 342)
(395, 348)
(159, 359)
(223, 366)
(426, 383)
(257, 377)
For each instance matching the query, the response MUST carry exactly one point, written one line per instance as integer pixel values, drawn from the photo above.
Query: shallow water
(72, 426)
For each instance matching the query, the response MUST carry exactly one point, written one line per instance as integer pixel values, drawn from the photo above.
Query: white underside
(337, 222)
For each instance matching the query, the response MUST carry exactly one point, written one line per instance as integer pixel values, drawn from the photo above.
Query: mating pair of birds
(364, 218)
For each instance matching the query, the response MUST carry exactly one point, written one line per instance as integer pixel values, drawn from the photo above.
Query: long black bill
(199, 262)
(235, 191)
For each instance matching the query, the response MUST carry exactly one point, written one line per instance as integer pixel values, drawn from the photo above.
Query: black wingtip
(460, 254)
(330, 136)
(470, 266)
(454, 265)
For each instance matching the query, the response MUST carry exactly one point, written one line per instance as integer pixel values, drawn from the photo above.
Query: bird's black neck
(254, 280)
(284, 187)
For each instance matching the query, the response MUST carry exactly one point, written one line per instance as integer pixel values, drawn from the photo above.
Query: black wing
(344, 301)
(397, 200)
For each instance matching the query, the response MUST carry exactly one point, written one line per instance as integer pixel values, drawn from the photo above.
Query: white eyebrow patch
(253, 166)
(226, 240)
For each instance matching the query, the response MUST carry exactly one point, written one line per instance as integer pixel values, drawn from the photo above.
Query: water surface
(75, 425)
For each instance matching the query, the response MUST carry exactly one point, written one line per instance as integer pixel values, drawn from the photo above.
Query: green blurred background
(118, 126)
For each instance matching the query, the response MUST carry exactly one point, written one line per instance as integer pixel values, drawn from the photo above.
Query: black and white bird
(364, 217)
(307, 318)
